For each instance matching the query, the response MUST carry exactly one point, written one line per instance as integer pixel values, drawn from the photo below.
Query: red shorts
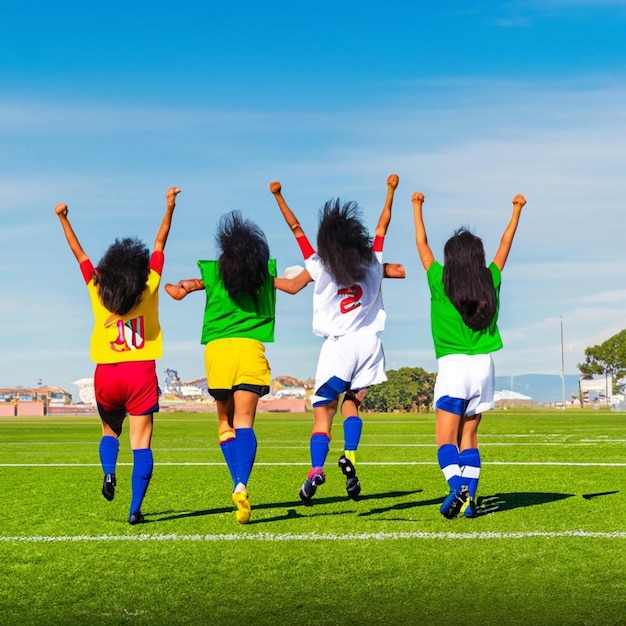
(123, 388)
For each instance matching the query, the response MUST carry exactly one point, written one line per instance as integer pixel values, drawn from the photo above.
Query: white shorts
(351, 362)
(470, 379)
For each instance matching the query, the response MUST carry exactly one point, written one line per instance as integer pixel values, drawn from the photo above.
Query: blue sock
(469, 460)
(109, 448)
(352, 428)
(143, 463)
(319, 446)
(448, 457)
(245, 451)
(230, 456)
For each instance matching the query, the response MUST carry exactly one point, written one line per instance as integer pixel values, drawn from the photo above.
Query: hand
(61, 210)
(275, 187)
(393, 181)
(519, 201)
(175, 291)
(417, 197)
(170, 195)
(394, 270)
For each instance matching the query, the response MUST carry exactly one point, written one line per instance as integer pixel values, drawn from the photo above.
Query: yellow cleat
(243, 512)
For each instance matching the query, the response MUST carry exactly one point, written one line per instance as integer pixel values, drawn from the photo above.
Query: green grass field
(551, 549)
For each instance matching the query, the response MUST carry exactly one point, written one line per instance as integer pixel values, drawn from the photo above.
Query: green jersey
(241, 316)
(450, 333)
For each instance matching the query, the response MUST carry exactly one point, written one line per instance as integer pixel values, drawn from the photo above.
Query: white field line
(285, 464)
(317, 537)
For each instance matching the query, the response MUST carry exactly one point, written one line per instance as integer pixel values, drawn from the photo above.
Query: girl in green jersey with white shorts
(464, 315)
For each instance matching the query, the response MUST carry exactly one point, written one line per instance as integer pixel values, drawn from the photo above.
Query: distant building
(52, 395)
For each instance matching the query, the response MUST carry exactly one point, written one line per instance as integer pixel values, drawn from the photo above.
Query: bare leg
(107, 431)
(245, 408)
(447, 428)
(468, 432)
(323, 417)
(140, 431)
(225, 413)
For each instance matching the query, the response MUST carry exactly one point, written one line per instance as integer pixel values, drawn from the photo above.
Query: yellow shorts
(236, 363)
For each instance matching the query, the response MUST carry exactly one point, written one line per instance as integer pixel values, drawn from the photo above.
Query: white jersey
(337, 310)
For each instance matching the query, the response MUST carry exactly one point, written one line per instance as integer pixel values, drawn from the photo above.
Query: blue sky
(103, 105)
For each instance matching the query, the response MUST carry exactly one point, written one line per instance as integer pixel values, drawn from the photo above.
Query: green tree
(607, 358)
(409, 389)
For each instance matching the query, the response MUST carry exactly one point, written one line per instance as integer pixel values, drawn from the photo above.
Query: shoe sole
(353, 485)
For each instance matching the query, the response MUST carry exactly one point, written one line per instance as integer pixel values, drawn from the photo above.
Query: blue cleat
(454, 502)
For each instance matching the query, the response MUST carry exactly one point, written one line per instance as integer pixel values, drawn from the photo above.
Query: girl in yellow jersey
(125, 342)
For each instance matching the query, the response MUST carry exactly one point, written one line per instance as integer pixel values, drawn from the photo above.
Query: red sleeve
(305, 247)
(87, 270)
(156, 261)
(377, 246)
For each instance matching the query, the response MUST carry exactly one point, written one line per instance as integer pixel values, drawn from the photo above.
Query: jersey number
(130, 335)
(352, 298)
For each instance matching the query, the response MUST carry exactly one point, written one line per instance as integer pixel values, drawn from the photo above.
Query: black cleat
(135, 518)
(108, 486)
(315, 478)
(353, 486)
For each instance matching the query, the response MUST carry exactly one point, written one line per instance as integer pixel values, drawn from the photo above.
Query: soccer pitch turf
(549, 548)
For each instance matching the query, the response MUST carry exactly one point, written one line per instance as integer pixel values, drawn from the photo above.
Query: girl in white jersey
(464, 315)
(348, 312)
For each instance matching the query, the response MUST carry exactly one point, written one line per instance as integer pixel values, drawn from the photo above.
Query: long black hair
(244, 253)
(343, 242)
(467, 281)
(122, 274)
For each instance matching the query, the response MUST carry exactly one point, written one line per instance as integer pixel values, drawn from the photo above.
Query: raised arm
(421, 240)
(72, 239)
(509, 232)
(183, 287)
(290, 218)
(166, 224)
(385, 216)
